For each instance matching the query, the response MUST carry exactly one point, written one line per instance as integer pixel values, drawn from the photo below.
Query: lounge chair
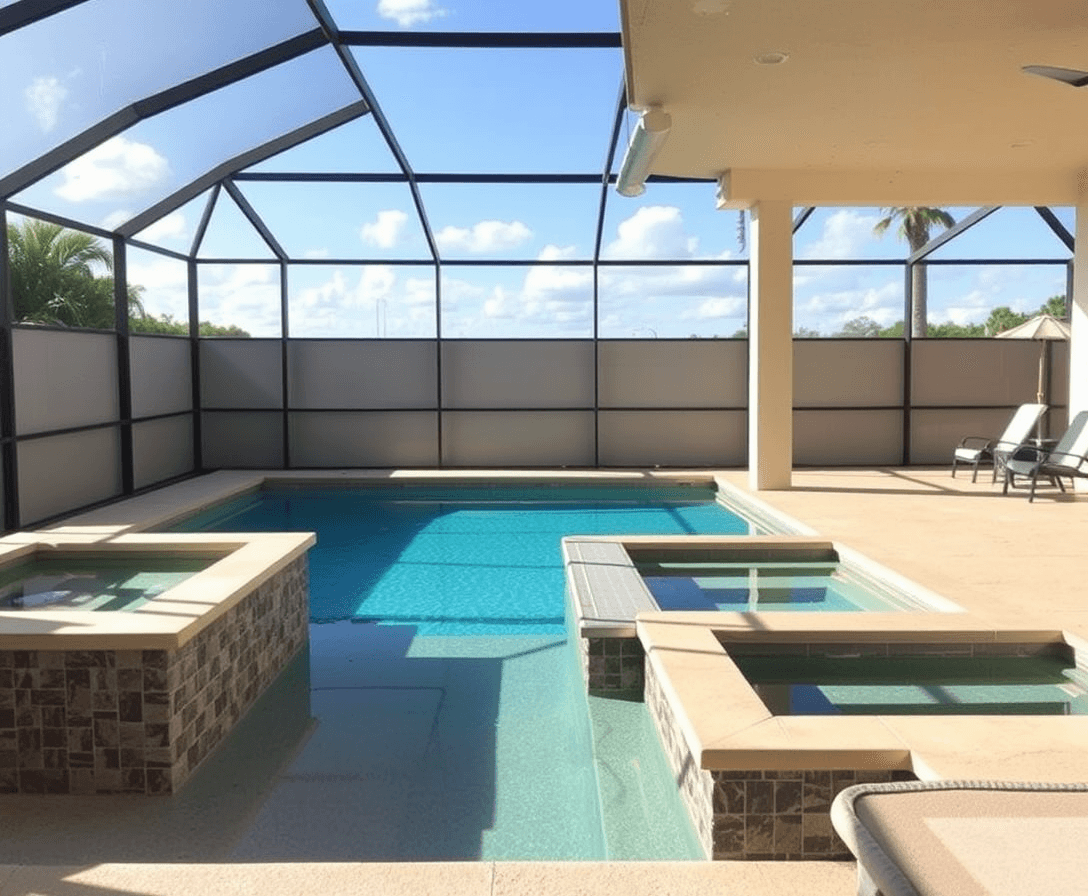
(1068, 458)
(947, 837)
(975, 449)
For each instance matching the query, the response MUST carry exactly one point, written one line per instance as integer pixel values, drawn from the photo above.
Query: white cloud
(118, 167)
(244, 295)
(386, 230)
(843, 234)
(407, 13)
(653, 232)
(168, 228)
(486, 236)
(44, 98)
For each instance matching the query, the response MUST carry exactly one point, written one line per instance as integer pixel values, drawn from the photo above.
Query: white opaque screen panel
(373, 301)
(246, 440)
(538, 301)
(337, 374)
(161, 449)
(974, 371)
(161, 283)
(68, 71)
(517, 438)
(672, 301)
(847, 437)
(238, 373)
(476, 110)
(64, 379)
(517, 374)
(935, 432)
(847, 373)
(65, 472)
(341, 220)
(673, 373)
(162, 375)
(517, 222)
(147, 162)
(673, 438)
(364, 439)
(240, 299)
(846, 300)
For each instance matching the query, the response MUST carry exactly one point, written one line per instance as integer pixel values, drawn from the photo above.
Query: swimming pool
(452, 720)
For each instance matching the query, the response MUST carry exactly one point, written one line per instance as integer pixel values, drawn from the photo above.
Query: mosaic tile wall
(613, 664)
(757, 815)
(104, 721)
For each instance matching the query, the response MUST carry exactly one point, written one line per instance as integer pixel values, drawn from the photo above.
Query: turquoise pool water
(796, 586)
(452, 718)
(92, 583)
(917, 685)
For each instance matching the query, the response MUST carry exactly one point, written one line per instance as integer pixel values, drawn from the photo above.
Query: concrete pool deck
(1011, 564)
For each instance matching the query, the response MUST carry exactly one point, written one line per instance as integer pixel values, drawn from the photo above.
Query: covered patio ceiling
(858, 102)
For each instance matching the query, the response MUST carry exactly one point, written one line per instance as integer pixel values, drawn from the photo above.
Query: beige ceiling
(880, 101)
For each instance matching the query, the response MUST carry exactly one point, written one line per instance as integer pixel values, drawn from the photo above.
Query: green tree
(914, 226)
(860, 326)
(165, 325)
(60, 276)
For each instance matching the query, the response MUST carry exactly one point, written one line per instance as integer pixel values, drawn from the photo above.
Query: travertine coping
(167, 621)
(726, 726)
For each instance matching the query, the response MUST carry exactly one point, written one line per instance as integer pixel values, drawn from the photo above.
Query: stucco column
(1078, 344)
(770, 347)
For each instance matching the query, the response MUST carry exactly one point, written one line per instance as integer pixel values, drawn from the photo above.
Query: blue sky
(461, 111)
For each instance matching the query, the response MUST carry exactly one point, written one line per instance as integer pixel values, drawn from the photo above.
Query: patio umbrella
(1045, 328)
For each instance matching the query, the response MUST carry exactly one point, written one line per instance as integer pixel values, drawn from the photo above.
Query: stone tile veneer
(613, 664)
(141, 721)
(757, 815)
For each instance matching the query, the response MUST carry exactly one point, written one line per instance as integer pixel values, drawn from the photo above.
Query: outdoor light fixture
(646, 142)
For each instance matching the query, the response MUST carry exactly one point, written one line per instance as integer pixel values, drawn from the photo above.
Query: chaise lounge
(975, 449)
(1068, 458)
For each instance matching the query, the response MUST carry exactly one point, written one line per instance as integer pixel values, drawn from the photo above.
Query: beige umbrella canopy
(1046, 328)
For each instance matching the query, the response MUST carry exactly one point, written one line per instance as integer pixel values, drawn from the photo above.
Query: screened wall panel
(974, 371)
(847, 373)
(674, 373)
(374, 374)
(517, 438)
(934, 433)
(366, 439)
(673, 438)
(250, 440)
(65, 472)
(64, 380)
(508, 374)
(161, 449)
(162, 376)
(240, 373)
(848, 437)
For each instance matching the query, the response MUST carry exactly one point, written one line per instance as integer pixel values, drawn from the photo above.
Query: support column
(770, 347)
(1078, 315)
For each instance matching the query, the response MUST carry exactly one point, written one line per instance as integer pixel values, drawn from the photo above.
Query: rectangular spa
(611, 581)
(823, 683)
(766, 720)
(126, 659)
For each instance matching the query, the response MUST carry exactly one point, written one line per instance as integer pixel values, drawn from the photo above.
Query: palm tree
(914, 225)
(56, 276)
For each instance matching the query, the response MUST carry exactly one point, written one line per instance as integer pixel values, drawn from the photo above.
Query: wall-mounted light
(646, 141)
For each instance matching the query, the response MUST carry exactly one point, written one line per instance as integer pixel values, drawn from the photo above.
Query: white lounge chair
(974, 450)
(1068, 458)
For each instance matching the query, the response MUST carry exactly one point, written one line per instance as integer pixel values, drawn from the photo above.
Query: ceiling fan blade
(1065, 75)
